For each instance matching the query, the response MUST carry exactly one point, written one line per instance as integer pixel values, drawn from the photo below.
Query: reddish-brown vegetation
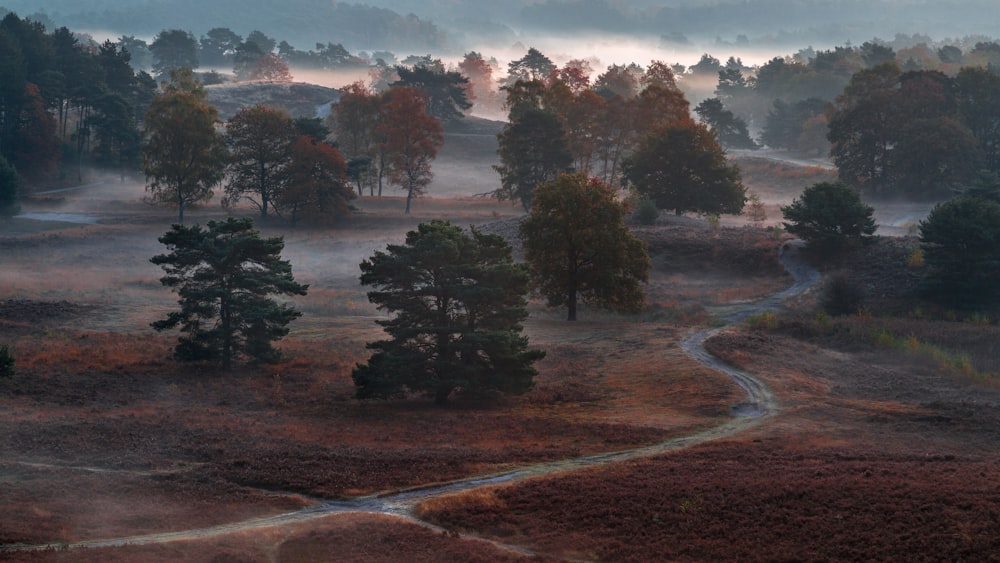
(750, 501)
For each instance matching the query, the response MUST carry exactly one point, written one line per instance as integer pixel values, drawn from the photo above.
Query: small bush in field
(754, 209)
(916, 258)
(646, 211)
(763, 321)
(842, 297)
(6, 362)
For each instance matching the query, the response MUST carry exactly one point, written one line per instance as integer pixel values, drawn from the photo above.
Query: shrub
(6, 362)
(841, 296)
(646, 211)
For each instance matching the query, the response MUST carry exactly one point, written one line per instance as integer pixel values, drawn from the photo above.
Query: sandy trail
(759, 405)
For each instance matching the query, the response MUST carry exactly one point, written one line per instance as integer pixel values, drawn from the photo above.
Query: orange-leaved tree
(411, 139)
(317, 191)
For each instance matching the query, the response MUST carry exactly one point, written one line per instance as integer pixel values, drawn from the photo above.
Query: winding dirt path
(758, 406)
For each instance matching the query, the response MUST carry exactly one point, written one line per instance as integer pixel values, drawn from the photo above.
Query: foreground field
(877, 452)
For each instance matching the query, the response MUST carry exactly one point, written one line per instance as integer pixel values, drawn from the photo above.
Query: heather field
(881, 444)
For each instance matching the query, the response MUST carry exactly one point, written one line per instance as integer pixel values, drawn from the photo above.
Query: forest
(478, 307)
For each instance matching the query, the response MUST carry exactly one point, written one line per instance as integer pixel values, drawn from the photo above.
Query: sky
(616, 31)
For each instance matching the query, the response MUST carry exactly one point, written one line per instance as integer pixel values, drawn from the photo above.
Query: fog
(613, 31)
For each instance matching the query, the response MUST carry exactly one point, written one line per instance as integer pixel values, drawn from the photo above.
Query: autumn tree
(271, 69)
(184, 156)
(683, 168)
(354, 119)
(225, 275)
(579, 249)
(829, 215)
(455, 301)
(317, 191)
(862, 128)
(259, 140)
(411, 140)
(532, 150)
(479, 88)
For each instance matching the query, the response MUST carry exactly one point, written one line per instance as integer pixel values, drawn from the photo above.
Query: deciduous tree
(578, 247)
(455, 302)
(259, 140)
(532, 149)
(225, 275)
(411, 140)
(317, 191)
(683, 168)
(184, 156)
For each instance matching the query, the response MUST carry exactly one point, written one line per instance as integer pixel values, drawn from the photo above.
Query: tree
(259, 140)
(9, 186)
(411, 140)
(683, 168)
(445, 91)
(456, 302)
(173, 49)
(862, 127)
(961, 243)
(317, 191)
(355, 118)
(578, 247)
(532, 66)
(218, 46)
(224, 275)
(934, 157)
(271, 69)
(183, 157)
(730, 130)
(829, 215)
(532, 150)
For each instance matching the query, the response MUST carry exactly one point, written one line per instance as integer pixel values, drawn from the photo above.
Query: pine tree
(224, 274)
(456, 302)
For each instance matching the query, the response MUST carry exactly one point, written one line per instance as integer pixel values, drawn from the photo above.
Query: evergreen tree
(224, 275)
(829, 215)
(455, 302)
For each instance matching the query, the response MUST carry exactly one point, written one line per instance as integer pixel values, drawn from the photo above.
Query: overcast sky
(678, 26)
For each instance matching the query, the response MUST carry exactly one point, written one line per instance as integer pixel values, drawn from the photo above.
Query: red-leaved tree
(411, 139)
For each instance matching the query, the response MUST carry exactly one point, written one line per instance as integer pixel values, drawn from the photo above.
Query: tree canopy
(532, 149)
(960, 239)
(410, 139)
(829, 215)
(259, 140)
(184, 156)
(578, 247)
(455, 302)
(224, 275)
(683, 168)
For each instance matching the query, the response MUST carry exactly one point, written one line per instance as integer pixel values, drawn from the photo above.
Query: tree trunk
(571, 305)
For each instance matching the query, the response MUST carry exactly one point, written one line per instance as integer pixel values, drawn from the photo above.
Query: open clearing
(875, 453)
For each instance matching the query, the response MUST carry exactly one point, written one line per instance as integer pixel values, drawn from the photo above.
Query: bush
(646, 211)
(842, 296)
(6, 362)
